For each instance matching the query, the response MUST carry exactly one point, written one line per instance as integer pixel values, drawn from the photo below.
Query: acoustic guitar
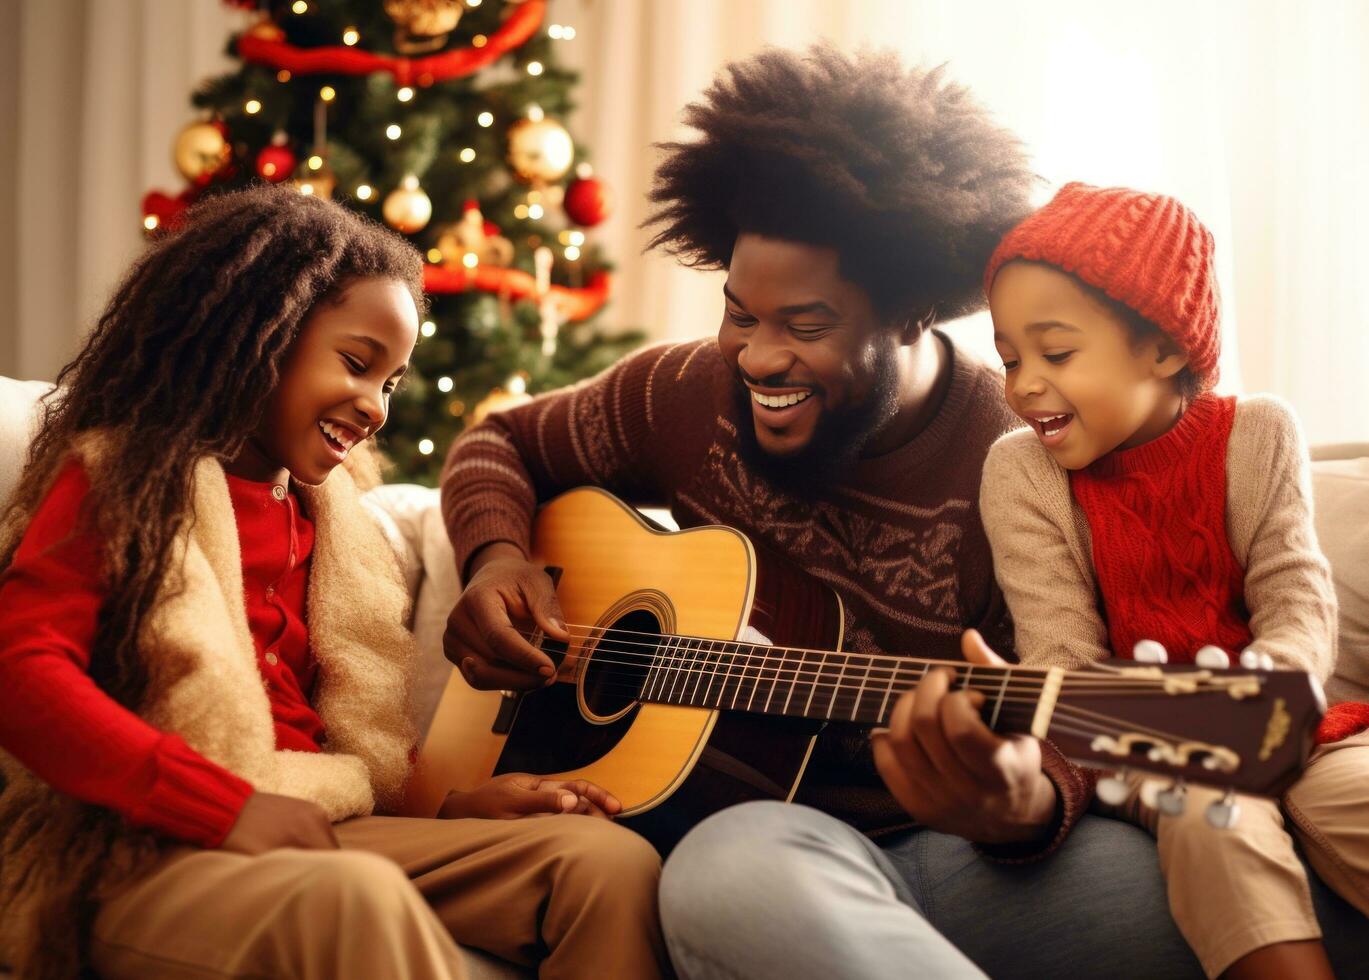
(701, 669)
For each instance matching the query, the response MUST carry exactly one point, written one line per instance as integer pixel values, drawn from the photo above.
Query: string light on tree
(252, 107)
(405, 94)
(428, 328)
(327, 93)
(485, 120)
(426, 447)
(365, 192)
(351, 36)
(445, 384)
(393, 131)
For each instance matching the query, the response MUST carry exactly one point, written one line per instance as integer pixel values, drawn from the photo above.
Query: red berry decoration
(168, 211)
(275, 163)
(587, 201)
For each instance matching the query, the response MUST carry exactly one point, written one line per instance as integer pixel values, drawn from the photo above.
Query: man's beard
(837, 442)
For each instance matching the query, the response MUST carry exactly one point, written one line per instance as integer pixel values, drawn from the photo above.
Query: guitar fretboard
(832, 685)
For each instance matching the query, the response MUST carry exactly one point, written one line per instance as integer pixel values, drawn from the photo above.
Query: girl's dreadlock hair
(900, 171)
(180, 366)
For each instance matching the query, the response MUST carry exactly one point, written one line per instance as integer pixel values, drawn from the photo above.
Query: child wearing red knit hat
(1139, 506)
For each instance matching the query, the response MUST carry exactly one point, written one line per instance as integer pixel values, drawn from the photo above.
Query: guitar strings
(660, 654)
(1104, 724)
(654, 640)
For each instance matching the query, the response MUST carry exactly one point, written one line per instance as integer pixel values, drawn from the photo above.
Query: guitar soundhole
(618, 667)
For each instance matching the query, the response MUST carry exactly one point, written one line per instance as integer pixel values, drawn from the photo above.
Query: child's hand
(518, 794)
(268, 821)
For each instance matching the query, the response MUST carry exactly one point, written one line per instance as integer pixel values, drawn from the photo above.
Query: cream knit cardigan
(205, 686)
(1043, 556)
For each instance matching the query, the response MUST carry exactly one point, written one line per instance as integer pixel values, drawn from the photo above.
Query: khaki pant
(1235, 891)
(575, 894)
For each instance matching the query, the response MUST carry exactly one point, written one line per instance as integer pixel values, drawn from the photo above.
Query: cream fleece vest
(204, 686)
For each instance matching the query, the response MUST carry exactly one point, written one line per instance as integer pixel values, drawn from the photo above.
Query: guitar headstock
(1248, 730)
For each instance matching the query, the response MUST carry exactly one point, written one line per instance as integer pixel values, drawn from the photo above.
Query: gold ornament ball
(540, 151)
(201, 151)
(407, 208)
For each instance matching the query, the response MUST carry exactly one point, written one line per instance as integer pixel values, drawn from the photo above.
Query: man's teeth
(780, 401)
(343, 437)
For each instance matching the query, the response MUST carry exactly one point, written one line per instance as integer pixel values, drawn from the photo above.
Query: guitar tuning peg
(1224, 813)
(1250, 658)
(1212, 658)
(1113, 790)
(1149, 652)
(1266, 662)
(1171, 800)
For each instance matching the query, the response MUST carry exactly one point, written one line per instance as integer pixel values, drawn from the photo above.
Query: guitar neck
(823, 684)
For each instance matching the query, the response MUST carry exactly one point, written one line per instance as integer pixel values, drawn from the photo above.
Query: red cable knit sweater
(1157, 516)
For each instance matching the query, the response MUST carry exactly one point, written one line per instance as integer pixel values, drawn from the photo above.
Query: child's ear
(1169, 358)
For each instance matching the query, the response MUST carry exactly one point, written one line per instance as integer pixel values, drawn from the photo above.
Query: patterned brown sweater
(900, 540)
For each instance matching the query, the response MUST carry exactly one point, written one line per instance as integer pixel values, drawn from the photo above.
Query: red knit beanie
(1146, 251)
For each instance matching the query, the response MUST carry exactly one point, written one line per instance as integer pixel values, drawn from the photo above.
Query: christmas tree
(441, 118)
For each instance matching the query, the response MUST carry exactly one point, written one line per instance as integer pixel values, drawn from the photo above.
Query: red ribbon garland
(262, 45)
(575, 304)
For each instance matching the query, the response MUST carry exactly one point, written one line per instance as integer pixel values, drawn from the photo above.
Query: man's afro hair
(900, 171)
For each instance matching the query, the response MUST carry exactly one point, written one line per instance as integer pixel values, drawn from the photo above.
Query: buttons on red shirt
(270, 591)
(278, 491)
(272, 659)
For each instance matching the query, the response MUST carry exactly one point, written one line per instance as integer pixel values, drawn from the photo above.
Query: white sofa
(411, 516)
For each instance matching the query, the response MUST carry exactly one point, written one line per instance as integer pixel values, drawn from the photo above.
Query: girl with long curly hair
(203, 659)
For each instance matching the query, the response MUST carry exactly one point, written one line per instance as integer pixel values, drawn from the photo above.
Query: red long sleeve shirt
(66, 730)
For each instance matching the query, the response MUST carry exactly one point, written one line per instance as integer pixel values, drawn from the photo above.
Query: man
(852, 204)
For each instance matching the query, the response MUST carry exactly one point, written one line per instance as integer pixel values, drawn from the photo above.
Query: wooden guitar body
(670, 765)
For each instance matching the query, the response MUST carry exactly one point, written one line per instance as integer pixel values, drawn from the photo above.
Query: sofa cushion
(18, 400)
(1341, 494)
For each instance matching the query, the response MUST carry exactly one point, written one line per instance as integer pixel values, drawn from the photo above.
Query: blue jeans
(776, 890)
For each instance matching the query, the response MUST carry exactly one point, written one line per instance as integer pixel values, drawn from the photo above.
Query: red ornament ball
(587, 201)
(275, 163)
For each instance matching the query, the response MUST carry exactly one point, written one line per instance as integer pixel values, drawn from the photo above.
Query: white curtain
(1254, 112)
